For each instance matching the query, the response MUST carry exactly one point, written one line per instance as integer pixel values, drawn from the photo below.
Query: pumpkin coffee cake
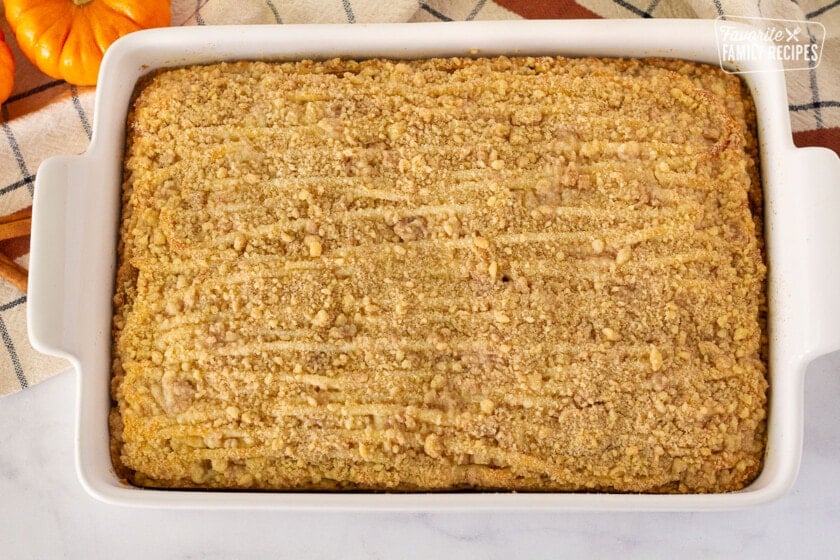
(506, 273)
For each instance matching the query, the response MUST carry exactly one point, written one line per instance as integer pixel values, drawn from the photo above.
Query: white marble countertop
(45, 513)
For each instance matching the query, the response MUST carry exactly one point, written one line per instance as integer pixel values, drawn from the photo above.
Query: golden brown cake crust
(507, 273)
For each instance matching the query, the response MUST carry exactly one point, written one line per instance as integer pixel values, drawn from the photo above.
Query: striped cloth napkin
(45, 117)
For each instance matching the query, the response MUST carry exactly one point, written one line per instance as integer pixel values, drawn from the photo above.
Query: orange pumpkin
(66, 39)
(7, 69)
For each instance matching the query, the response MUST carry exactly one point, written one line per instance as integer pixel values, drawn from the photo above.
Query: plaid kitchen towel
(46, 117)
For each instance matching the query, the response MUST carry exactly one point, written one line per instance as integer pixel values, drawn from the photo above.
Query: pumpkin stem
(81, 2)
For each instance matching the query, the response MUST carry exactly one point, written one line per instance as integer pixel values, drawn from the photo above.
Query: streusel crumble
(506, 273)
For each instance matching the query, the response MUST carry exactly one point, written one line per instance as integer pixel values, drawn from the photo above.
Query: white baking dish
(77, 208)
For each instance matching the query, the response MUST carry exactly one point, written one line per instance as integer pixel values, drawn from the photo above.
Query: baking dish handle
(820, 219)
(54, 260)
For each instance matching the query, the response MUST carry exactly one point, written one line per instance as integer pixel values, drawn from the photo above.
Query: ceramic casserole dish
(77, 208)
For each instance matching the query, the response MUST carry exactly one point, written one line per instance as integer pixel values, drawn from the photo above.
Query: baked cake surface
(508, 273)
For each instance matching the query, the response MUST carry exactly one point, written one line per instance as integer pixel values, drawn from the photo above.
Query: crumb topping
(506, 273)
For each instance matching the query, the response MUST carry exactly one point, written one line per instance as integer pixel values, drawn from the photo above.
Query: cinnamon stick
(13, 273)
(15, 229)
(19, 215)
